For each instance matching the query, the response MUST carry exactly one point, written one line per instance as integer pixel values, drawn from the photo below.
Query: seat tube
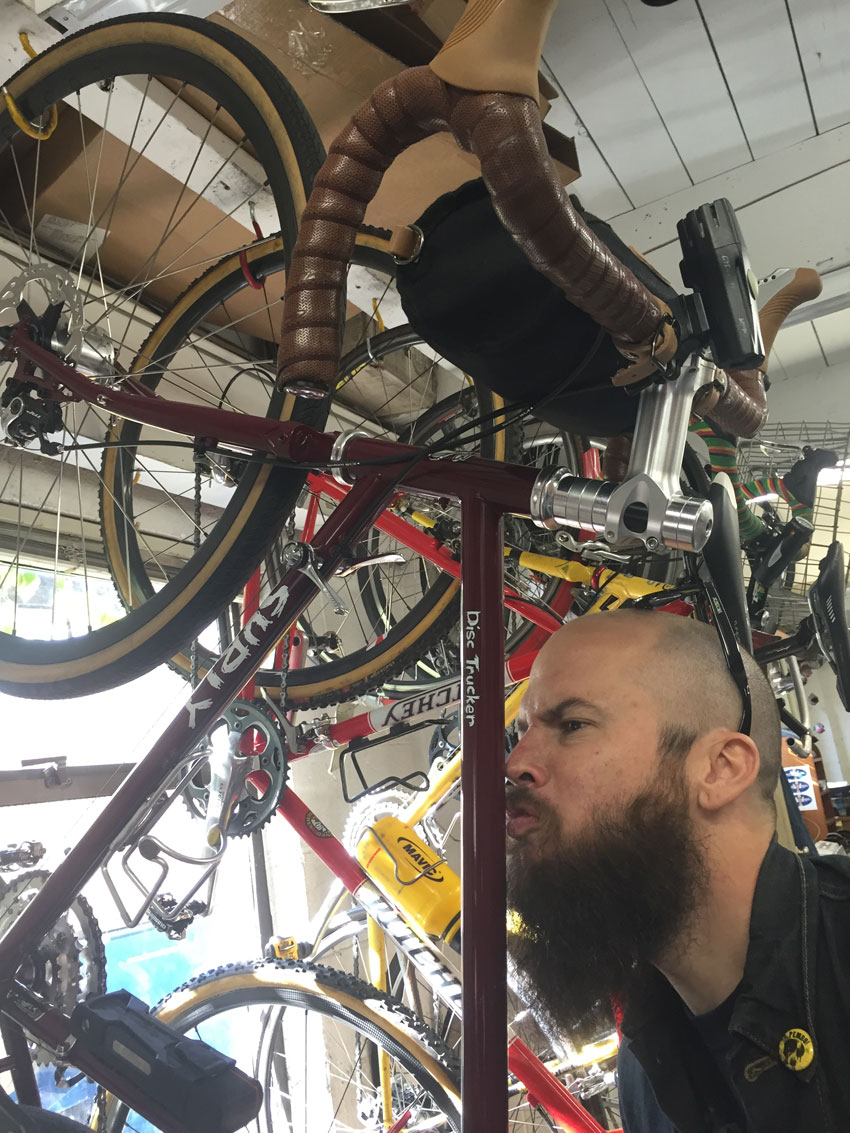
(484, 1036)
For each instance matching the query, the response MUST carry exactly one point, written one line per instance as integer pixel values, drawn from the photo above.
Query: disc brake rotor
(88, 347)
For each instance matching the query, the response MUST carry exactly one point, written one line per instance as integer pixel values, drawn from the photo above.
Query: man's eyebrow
(570, 704)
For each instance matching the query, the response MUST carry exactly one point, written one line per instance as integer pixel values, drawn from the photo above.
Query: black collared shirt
(787, 1064)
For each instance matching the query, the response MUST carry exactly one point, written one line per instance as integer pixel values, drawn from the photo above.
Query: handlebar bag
(474, 297)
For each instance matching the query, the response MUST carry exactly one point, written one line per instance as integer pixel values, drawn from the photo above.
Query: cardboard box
(130, 229)
(334, 69)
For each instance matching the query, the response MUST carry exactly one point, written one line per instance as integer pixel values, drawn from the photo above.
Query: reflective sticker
(796, 1049)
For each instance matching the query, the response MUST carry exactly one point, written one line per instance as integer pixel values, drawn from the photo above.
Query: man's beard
(597, 909)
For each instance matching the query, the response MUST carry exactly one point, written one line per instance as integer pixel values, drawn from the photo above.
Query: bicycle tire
(345, 947)
(240, 79)
(318, 991)
(433, 617)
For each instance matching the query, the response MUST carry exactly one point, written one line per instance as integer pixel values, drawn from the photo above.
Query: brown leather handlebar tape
(741, 408)
(505, 132)
(805, 286)
(400, 112)
(496, 46)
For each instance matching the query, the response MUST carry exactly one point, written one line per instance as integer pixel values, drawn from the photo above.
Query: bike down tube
(213, 694)
(546, 1089)
(250, 604)
(485, 1021)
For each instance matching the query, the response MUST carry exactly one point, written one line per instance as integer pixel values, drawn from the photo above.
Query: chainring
(262, 733)
(368, 810)
(69, 964)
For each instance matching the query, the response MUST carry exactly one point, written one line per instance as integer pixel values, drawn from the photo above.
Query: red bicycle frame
(486, 490)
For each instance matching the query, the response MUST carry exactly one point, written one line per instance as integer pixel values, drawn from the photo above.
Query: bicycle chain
(101, 1107)
(289, 527)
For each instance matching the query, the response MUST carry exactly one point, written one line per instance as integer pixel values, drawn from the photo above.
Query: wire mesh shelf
(772, 453)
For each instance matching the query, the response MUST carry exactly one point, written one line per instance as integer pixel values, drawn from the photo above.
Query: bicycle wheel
(221, 307)
(391, 386)
(170, 136)
(343, 943)
(400, 614)
(317, 1036)
(346, 948)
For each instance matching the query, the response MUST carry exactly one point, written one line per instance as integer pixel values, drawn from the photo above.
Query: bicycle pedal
(196, 1083)
(285, 948)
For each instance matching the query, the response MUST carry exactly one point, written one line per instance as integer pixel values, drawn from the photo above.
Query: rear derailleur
(25, 417)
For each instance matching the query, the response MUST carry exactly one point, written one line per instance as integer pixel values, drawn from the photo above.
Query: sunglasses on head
(732, 653)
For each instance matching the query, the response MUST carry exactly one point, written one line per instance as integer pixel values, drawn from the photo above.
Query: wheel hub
(61, 323)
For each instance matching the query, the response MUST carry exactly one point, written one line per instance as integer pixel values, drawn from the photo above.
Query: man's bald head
(678, 663)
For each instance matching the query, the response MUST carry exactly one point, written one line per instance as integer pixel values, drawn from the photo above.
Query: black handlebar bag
(474, 297)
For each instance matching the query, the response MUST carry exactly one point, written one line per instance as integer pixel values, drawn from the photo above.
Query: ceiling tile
(755, 45)
(822, 28)
(672, 52)
(588, 56)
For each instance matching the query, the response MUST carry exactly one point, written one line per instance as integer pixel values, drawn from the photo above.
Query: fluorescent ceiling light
(836, 475)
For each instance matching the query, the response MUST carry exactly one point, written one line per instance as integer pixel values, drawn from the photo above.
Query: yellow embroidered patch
(796, 1049)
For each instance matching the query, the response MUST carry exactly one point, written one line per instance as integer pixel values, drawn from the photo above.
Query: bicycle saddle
(826, 602)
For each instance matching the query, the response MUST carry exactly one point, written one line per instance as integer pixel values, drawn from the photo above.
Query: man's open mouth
(519, 818)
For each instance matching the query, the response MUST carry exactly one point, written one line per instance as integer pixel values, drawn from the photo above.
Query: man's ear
(725, 765)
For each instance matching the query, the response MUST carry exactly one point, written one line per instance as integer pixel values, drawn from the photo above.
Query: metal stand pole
(23, 1074)
(484, 1037)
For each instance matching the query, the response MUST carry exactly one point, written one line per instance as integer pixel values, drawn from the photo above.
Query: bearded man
(645, 871)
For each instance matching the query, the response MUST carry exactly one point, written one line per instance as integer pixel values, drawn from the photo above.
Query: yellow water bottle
(412, 875)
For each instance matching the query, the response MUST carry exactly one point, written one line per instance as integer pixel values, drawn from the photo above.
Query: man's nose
(524, 764)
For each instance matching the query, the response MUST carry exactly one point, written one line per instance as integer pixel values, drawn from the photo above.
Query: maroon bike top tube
(453, 475)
